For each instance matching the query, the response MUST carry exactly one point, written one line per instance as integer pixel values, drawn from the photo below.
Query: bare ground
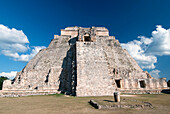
(60, 104)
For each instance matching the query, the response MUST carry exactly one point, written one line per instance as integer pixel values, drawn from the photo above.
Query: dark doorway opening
(36, 88)
(87, 38)
(118, 83)
(142, 84)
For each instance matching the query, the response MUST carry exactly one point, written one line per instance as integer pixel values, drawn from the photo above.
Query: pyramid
(83, 62)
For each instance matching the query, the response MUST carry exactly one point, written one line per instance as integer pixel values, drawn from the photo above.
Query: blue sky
(141, 26)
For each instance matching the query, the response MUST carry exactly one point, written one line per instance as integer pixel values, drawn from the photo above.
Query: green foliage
(2, 78)
(168, 83)
(57, 95)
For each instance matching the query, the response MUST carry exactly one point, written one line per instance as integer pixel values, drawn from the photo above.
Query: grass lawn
(61, 104)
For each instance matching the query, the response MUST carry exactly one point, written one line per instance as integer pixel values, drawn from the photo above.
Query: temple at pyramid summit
(83, 62)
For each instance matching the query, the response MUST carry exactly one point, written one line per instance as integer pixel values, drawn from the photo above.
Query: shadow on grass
(108, 100)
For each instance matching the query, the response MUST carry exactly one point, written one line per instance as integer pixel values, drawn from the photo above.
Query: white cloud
(136, 50)
(23, 57)
(155, 73)
(14, 43)
(10, 75)
(27, 57)
(13, 40)
(145, 50)
(161, 42)
(145, 40)
(11, 36)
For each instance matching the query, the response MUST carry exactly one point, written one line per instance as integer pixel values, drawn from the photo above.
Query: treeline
(2, 78)
(168, 83)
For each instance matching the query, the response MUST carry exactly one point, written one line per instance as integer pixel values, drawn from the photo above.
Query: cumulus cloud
(145, 50)
(160, 42)
(10, 75)
(12, 39)
(23, 57)
(27, 57)
(14, 43)
(155, 73)
(137, 50)
(11, 36)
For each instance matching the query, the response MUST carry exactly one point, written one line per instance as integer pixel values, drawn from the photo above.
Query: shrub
(168, 83)
(2, 78)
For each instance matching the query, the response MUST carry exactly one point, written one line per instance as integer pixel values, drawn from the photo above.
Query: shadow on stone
(68, 76)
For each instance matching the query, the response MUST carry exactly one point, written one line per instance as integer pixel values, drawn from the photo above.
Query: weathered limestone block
(6, 85)
(163, 82)
(102, 33)
(126, 84)
(151, 85)
(147, 84)
(69, 33)
(136, 83)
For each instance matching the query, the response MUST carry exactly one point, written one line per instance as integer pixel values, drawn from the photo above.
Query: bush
(168, 83)
(2, 78)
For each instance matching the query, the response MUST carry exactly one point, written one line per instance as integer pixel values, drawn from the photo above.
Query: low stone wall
(24, 93)
(121, 105)
(144, 91)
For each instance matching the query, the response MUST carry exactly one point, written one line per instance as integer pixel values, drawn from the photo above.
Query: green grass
(57, 95)
(61, 104)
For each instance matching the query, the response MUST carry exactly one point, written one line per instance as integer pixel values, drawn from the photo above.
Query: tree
(168, 83)
(2, 78)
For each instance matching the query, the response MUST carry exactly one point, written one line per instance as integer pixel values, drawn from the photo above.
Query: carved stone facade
(83, 62)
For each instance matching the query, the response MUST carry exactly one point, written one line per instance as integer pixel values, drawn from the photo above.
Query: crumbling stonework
(83, 62)
(118, 105)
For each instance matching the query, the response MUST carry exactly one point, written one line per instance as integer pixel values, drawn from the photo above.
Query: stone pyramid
(83, 62)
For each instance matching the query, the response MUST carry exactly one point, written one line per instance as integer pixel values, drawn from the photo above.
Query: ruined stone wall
(149, 84)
